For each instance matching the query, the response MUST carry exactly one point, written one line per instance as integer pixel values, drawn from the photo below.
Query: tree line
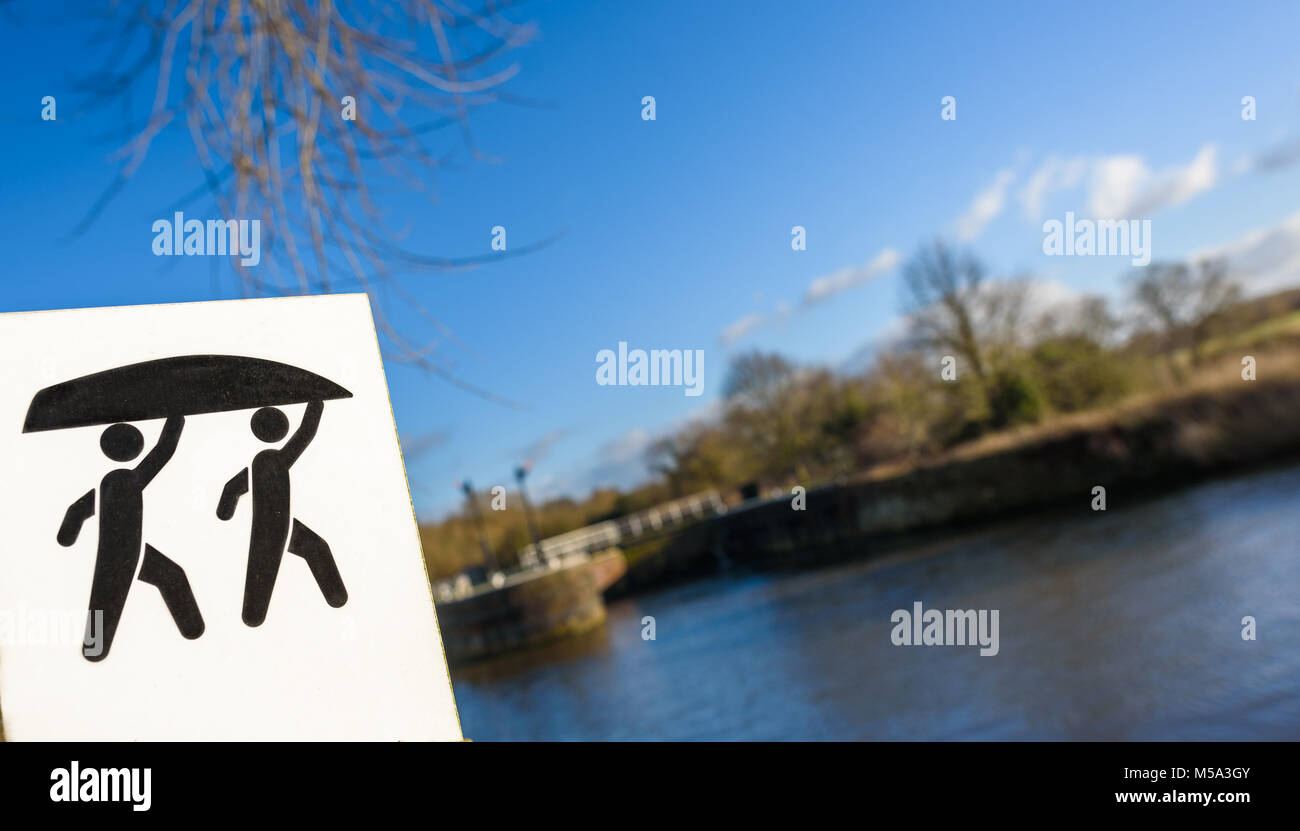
(979, 355)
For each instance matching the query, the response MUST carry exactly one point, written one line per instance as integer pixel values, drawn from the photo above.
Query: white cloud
(537, 451)
(620, 462)
(829, 285)
(1118, 186)
(740, 328)
(1052, 176)
(1265, 259)
(1115, 183)
(820, 289)
(1274, 158)
(985, 207)
(629, 447)
(1125, 187)
(1047, 295)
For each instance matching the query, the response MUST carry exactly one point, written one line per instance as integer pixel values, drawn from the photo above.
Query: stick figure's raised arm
(306, 432)
(235, 488)
(78, 512)
(162, 451)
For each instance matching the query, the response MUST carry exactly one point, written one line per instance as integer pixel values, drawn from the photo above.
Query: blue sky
(675, 231)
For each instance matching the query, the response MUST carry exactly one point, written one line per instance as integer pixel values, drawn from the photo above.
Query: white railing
(612, 532)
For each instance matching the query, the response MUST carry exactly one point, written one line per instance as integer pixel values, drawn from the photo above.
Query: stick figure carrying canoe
(274, 529)
(121, 534)
(173, 388)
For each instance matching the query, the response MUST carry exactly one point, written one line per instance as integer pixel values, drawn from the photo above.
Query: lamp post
(520, 473)
(489, 556)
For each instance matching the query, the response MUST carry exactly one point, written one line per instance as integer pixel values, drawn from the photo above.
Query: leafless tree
(1088, 316)
(1183, 303)
(259, 85)
(761, 378)
(952, 307)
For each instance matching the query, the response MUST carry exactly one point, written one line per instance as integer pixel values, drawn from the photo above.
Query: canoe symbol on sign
(173, 388)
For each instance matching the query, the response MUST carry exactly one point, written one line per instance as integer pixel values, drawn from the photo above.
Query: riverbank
(528, 608)
(1149, 445)
(1117, 626)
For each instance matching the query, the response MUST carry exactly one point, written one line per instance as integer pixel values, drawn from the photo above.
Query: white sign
(207, 530)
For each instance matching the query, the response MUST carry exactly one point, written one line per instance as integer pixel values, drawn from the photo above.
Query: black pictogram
(274, 526)
(173, 388)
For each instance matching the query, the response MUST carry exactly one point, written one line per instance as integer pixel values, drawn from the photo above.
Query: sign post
(207, 529)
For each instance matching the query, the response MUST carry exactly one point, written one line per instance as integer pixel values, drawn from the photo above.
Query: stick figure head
(269, 424)
(121, 442)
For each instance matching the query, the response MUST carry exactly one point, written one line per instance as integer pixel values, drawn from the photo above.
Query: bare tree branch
(259, 86)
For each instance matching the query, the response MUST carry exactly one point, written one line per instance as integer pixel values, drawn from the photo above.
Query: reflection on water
(1124, 624)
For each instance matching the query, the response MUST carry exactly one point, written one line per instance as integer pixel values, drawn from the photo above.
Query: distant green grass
(1267, 331)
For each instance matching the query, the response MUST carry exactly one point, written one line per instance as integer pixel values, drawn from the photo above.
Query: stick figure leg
(174, 586)
(307, 544)
(264, 557)
(112, 582)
